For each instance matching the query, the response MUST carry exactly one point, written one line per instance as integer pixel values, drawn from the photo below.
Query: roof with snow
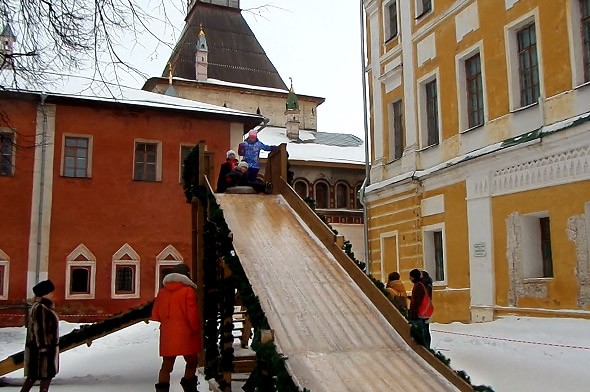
(234, 54)
(315, 146)
(79, 88)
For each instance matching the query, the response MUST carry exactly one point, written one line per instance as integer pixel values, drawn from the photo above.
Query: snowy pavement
(509, 354)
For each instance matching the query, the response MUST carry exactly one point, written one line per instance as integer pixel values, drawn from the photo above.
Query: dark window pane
(6, 153)
(301, 189)
(585, 15)
(125, 279)
(399, 142)
(145, 161)
(80, 280)
(322, 195)
(528, 65)
(432, 113)
(2, 277)
(474, 91)
(341, 196)
(426, 6)
(392, 19)
(76, 154)
(438, 256)
(546, 247)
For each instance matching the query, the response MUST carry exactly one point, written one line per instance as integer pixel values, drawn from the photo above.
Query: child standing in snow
(177, 311)
(250, 150)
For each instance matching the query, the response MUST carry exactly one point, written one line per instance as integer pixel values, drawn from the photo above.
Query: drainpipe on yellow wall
(366, 126)
(41, 190)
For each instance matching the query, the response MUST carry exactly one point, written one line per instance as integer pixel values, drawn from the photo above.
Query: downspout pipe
(42, 96)
(367, 179)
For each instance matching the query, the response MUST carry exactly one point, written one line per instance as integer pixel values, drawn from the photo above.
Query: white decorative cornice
(565, 167)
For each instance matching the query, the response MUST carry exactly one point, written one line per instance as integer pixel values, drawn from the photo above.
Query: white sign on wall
(479, 249)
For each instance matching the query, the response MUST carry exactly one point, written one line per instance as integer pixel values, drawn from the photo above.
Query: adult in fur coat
(42, 344)
(177, 311)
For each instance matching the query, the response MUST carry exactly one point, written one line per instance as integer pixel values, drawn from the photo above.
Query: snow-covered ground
(509, 354)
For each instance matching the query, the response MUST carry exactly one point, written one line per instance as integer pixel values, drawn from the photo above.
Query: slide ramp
(335, 339)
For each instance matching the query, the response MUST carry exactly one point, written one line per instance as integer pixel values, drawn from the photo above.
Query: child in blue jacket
(250, 150)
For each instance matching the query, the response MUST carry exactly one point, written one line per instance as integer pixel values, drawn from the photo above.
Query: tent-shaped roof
(235, 55)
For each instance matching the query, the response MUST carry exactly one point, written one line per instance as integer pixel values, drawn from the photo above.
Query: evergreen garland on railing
(211, 299)
(415, 331)
(271, 367)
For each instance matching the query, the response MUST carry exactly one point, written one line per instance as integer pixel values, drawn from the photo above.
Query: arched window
(301, 188)
(342, 195)
(80, 273)
(322, 195)
(4, 264)
(125, 273)
(165, 261)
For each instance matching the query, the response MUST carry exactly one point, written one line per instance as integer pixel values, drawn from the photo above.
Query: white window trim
(88, 158)
(531, 246)
(134, 260)
(158, 144)
(427, 251)
(90, 262)
(422, 115)
(5, 261)
(420, 9)
(462, 86)
(161, 259)
(180, 160)
(511, 43)
(575, 40)
(14, 141)
(382, 238)
(386, 25)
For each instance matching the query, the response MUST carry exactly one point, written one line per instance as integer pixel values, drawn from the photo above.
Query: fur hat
(181, 269)
(243, 164)
(43, 288)
(253, 133)
(227, 154)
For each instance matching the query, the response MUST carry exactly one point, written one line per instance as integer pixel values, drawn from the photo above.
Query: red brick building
(91, 194)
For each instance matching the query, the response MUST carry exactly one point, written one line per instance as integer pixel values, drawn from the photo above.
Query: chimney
(7, 40)
(292, 114)
(201, 61)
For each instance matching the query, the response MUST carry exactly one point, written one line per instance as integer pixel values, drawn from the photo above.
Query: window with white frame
(470, 89)
(80, 274)
(422, 7)
(391, 20)
(184, 151)
(77, 151)
(434, 252)
(536, 246)
(7, 150)
(342, 199)
(301, 188)
(430, 93)
(396, 134)
(147, 161)
(4, 265)
(125, 273)
(322, 194)
(524, 69)
(165, 262)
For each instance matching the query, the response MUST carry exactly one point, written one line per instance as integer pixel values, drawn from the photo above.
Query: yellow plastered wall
(561, 202)
(452, 301)
(401, 214)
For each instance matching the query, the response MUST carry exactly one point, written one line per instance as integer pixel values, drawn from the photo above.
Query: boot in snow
(189, 384)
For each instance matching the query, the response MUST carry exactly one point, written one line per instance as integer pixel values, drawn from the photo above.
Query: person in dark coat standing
(419, 290)
(177, 311)
(42, 344)
(230, 163)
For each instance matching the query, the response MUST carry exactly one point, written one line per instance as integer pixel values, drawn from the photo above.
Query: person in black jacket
(230, 163)
(42, 344)
(418, 292)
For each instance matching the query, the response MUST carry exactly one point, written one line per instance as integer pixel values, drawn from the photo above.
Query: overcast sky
(313, 41)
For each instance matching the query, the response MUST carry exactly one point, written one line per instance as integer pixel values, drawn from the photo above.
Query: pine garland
(271, 367)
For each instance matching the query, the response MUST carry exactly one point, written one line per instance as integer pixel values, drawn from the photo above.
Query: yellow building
(480, 161)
